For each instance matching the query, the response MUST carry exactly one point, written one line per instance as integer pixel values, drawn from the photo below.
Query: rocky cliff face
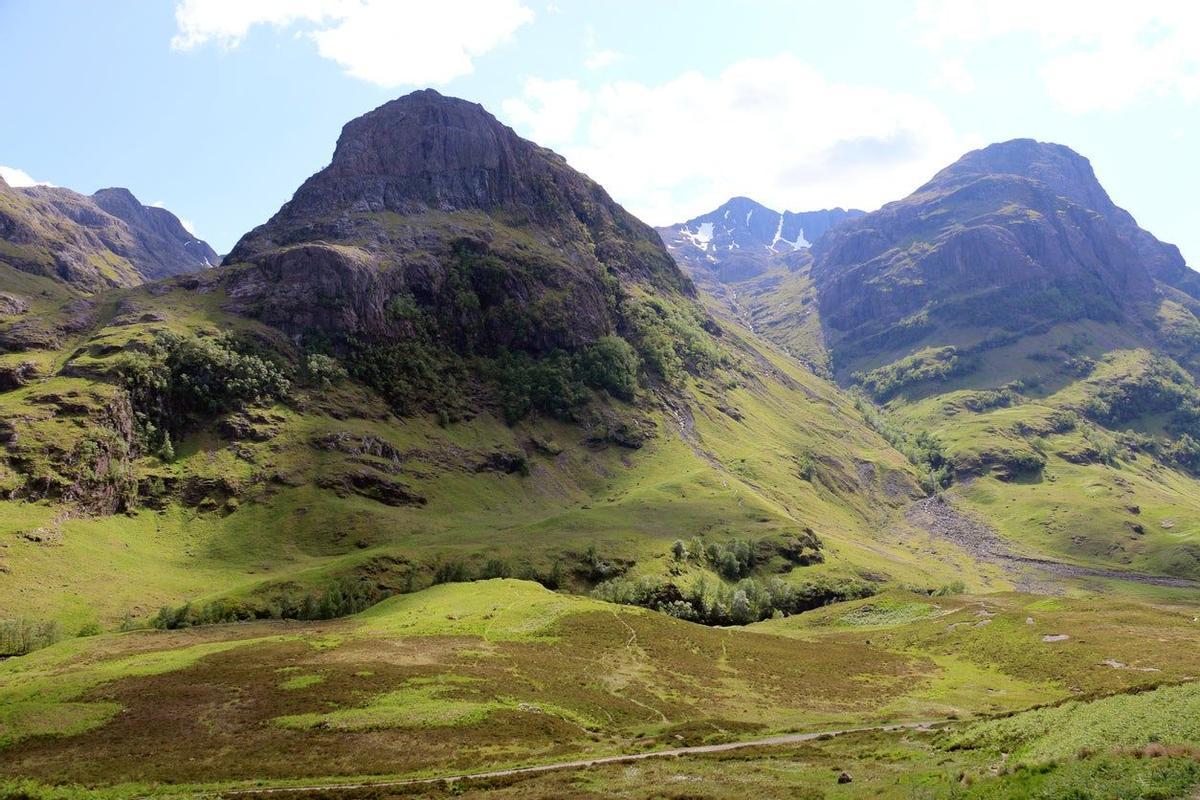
(737, 240)
(1015, 235)
(109, 239)
(432, 209)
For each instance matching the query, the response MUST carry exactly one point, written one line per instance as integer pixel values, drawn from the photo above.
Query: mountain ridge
(108, 239)
(740, 237)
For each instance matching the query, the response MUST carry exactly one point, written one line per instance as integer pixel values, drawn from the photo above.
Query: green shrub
(90, 629)
(610, 363)
(323, 371)
(178, 378)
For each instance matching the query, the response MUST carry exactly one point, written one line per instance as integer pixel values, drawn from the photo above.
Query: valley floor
(503, 674)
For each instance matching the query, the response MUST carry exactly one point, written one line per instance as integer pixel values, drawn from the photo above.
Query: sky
(219, 109)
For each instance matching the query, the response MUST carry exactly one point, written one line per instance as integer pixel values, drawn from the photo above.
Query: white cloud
(386, 42)
(18, 177)
(548, 111)
(953, 74)
(598, 57)
(773, 129)
(1097, 55)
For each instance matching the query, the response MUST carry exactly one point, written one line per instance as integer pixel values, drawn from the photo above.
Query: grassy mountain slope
(1012, 312)
(329, 481)
(436, 363)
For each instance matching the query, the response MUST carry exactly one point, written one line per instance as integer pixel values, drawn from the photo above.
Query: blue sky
(220, 108)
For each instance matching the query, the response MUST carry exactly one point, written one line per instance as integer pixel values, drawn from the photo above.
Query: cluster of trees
(673, 339)
(921, 448)
(557, 384)
(21, 636)
(720, 603)
(340, 598)
(411, 374)
(1161, 387)
(988, 399)
(930, 364)
(179, 377)
(732, 559)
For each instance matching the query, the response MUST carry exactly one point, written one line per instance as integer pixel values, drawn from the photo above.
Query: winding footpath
(583, 763)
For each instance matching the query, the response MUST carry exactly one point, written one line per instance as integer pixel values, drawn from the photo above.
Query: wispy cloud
(598, 57)
(18, 177)
(775, 129)
(386, 42)
(1097, 55)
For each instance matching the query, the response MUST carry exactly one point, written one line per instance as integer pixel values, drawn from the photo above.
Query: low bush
(719, 603)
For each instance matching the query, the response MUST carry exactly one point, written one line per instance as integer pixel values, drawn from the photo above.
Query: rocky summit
(427, 182)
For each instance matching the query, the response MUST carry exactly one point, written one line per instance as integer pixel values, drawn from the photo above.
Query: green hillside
(449, 469)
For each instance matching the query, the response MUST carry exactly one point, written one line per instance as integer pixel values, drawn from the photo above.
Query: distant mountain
(108, 239)
(1014, 237)
(738, 239)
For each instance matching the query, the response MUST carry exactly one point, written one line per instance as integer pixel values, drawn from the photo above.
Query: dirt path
(943, 519)
(583, 763)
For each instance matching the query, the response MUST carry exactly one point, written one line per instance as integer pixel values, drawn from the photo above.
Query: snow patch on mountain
(701, 237)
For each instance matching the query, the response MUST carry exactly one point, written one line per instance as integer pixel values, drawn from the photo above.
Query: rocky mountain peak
(426, 151)
(107, 239)
(1013, 236)
(1057, 167)
(426, 192)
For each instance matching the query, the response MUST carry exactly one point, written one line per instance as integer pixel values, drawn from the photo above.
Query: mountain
(428, 191)
(738, 239)
(451, 384)
(1017, 235)
(1028, 341)
(450, 354)
(107, 239)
